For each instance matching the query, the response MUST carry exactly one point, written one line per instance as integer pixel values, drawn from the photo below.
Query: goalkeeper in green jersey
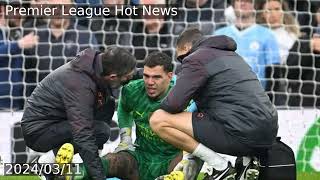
(149, 157)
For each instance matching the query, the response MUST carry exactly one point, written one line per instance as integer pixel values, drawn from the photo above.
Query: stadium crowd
(285, 57)
(279, 41)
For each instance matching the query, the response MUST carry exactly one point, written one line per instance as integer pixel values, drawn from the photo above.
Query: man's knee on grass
(122, 165)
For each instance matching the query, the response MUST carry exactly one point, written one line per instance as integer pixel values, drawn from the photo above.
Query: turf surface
(301, 176)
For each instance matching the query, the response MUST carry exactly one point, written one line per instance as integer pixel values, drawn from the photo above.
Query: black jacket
(223, 86)
(71, 93)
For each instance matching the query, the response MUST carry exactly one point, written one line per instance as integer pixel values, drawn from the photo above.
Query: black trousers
(213, 134)
(55, 135)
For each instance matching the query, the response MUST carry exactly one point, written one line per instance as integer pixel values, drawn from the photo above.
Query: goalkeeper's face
(156, 81)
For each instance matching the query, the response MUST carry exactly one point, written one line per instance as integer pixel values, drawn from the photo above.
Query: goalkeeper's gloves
(125, 141)
(190, 166)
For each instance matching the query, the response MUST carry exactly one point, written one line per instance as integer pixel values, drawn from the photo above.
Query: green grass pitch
(300, 176)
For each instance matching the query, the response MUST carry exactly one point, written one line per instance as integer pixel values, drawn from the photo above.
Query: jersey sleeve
(124, 109)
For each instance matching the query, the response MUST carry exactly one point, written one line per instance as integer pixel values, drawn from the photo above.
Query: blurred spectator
(152, 33)
(85, 22)
(93, 2)
(205, 14)
(112, 30)
(317, 18)
(303, 10)
(32, 22)
(255, 43)
(296, 52)
(61, 40)
(96, 2)
(276, 15)
(11, 60)
(21, 25)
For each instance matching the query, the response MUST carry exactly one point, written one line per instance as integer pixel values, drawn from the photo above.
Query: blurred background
(279, 39)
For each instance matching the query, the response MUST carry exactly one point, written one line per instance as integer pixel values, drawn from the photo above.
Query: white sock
(77, 159)
(246, 160)
(47, 157)
(212, 158)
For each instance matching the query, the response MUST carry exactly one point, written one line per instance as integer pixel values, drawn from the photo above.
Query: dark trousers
(213, 134)
(55, 135)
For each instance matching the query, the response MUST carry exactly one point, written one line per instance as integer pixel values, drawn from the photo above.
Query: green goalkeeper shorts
(151, 166)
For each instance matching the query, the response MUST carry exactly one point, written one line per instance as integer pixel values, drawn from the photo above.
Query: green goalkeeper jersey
(136, 106)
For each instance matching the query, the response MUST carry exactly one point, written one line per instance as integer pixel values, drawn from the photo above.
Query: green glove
(125, 141)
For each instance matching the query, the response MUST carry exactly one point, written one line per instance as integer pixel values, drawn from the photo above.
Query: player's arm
(191, 78)
(124, 108)
(125, 120)
(79, 102)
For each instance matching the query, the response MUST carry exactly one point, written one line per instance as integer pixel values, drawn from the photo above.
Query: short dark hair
(190, 35)
(118, 61)
(159, 59)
